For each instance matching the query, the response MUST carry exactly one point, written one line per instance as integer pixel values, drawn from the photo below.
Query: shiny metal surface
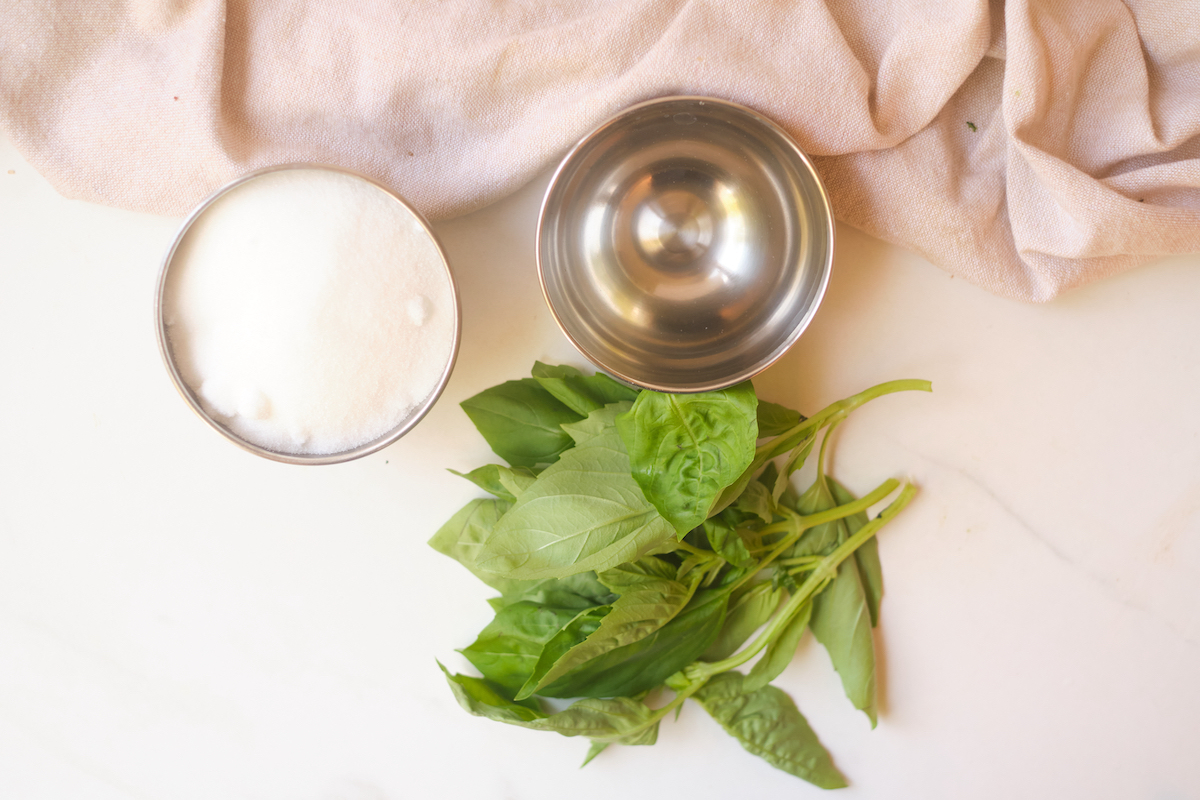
(189, 395)
(685, 244)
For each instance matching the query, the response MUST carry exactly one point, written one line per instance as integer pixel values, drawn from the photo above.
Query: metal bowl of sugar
(307, 314)
(685, 244)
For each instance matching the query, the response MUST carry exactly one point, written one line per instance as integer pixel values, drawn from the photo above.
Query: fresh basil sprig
(646, 546)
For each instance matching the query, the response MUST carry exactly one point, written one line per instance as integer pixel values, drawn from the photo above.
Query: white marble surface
(179, 619)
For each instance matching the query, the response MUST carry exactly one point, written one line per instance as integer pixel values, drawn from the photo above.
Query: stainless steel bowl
(685, 244)
(189, 393)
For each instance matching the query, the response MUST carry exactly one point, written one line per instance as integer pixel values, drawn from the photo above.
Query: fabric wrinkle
(1028, 146)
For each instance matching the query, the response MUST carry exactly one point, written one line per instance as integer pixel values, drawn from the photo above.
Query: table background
(179, 619)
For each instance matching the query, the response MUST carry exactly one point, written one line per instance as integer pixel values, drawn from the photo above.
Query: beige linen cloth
(1028, 146)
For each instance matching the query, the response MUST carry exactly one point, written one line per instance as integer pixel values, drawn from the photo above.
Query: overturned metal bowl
(685, 244)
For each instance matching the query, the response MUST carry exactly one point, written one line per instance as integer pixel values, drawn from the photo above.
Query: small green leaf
(584, 512)
(583, 394)
(577, 592)
(635, 574)
(819, 540)
(768, 724)
(726, 542)
(573, 634)
(621, 720)
(685, 449)
(648, 601)
(842, 623)
(795, 461)
(870, 570)
(521, 421)
(594, 750)
(756, 500)
(774, 419)
(594, 425)
(484, 698)
(779, 652)
(504, 482)
(748, 612)
(507, 650)
(648, 662)
(841, 620)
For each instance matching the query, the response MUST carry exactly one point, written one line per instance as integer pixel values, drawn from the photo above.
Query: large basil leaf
(620, 720)
(462, 537)
(748, 612)
(583, 394)
(521, 422)
(646, 663)
(768, 724)
(648, 600)
(503, 482)
(779, 652)
(507, 650)
(584, 512)
(870, 570)
(685, 449)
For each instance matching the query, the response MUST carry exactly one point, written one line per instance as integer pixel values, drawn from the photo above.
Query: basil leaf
(794, 462)
(726, 542)
(647, 602)
(648, 662)
(484, 698)
(583, 394)
(621, 720)
(748, 612)
(521, 422)
(503, 482)
(870, 570)
(584, 512)
(635, 574)
(462, 538)
(572, 635)
(576, 592)
(821, 539)
(594, 425)
(774, 419)
(841, 620)
(779, 652)
(596, 749)
(768, 724)
(756, 500)
(842, 623)
(507, 650)
(685, 449)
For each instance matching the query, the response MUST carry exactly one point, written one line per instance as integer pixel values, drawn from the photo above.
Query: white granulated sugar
(309, 311)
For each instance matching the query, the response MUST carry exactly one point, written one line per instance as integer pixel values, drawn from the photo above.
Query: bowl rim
(309, 459)
(826, 207)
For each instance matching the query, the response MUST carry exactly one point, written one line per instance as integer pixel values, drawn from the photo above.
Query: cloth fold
(1029, 147)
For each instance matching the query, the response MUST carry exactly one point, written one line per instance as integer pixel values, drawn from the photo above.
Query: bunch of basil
(642, 541)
